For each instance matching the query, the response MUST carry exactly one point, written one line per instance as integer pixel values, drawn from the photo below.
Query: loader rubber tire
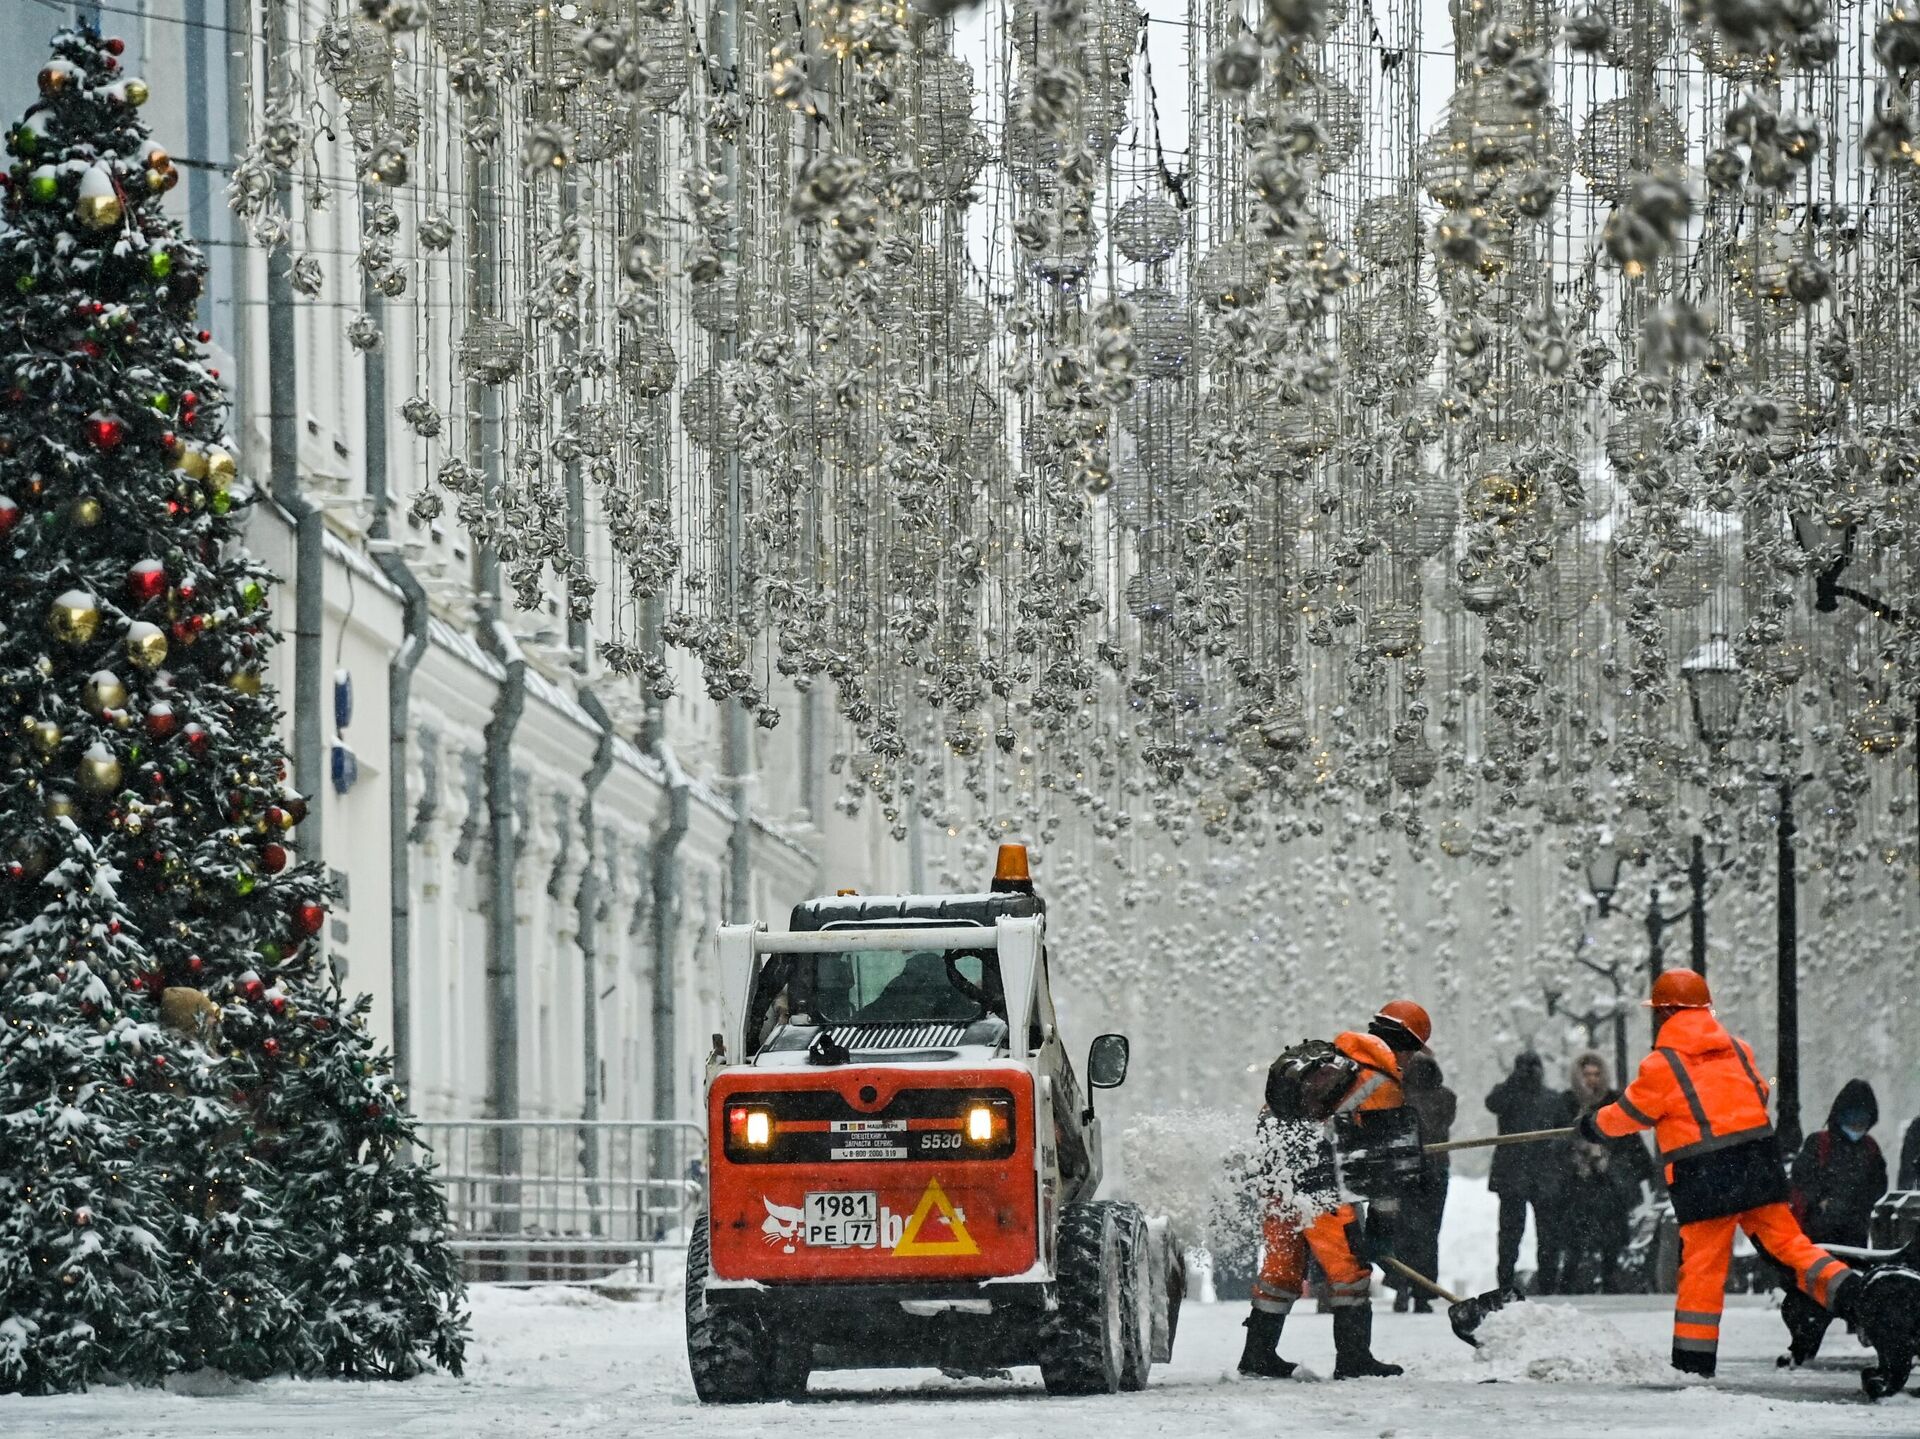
(726, 1348)
(1083, 1341)
(1136, 1254)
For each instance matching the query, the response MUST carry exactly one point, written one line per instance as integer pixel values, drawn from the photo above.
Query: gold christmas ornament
(87, 512)
(57, 805)
(191, 461)
(137, 91)
(246, 682)
(104, 691)
(99, 770)
(74, 618)
(44, 736)
(188, 1010)
(146, 645)
(220, 467)
(98, 206)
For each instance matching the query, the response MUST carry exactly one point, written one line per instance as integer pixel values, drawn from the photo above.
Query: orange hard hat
(1405, 1014)
(1680, 989)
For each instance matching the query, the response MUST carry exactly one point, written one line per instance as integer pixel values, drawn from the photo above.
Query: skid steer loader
(903, 1160)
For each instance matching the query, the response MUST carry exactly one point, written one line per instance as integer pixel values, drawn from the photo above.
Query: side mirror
(1107, 1061)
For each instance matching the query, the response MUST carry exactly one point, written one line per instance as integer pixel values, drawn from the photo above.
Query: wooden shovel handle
(1418, 1278)
(1494, 1141)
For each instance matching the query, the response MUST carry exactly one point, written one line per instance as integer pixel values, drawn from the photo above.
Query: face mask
(1856, 1135)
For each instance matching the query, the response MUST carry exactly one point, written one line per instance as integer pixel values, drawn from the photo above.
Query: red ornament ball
(198, 740)
(189, 587)
(9, 515)
(115, 45)
(252, 989)
(308, 917)
(161, 720)
(270, 1047)
(205, 336)
(190, 399)
(273, 857)
(195, 963)
(146, 581)
(105, 432)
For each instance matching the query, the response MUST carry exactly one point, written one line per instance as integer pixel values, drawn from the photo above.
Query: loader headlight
(980, 1125)
(750, 1127)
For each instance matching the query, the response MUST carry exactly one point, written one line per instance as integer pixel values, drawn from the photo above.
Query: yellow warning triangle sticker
(911, 1246)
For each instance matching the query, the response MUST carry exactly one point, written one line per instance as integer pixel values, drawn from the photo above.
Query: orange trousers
(1284, 1245)
(1706, 1249)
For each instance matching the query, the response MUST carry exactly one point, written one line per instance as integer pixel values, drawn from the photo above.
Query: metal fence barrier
(568, 1201)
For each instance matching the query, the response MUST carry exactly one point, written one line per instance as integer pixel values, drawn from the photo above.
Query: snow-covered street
(554, 1362)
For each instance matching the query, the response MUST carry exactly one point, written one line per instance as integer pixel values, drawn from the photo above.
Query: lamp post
(1603, 879)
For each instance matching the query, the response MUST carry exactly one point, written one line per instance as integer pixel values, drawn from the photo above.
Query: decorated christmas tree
(231, 1133)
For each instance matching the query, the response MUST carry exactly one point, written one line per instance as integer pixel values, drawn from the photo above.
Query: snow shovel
(1465, 1315)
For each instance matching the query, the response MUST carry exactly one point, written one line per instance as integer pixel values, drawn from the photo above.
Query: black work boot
(1261, 1358)
(1353, 1346)
(1692, 1361)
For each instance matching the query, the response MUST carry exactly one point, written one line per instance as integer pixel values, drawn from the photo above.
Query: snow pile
(1558, 1344)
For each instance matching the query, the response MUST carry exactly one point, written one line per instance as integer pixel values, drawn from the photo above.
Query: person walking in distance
(1605, 1184)
(1417, 1232)
(1838, 1176)
(1530, 1174)
(1701, 1094)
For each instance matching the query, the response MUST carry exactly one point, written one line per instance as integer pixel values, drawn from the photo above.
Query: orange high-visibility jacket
(1379, 1084)
(1700, 1090)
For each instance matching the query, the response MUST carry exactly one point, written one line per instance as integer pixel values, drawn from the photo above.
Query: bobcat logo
(782, 1225)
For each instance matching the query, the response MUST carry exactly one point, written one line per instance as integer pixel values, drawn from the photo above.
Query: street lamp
(1603, 874)
(1713, 684)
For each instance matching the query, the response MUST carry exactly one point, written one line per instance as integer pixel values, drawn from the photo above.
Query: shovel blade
(1468, 1315)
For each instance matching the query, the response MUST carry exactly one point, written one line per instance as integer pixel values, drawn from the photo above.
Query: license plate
(843, 1219)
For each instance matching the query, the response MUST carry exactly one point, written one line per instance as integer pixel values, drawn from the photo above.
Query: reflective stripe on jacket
(1379, 1084)
(1699, 1091)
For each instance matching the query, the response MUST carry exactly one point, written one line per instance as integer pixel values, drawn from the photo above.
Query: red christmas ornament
(190, 399)
(147, 581)
(205, 336)
(198, 740)
(104, 431)
(278, 1004)
(372, 1111)
(273, 857)
(270, 1047)
(168, 439)
(308, 917)
(113, 926)
(251, 988)
(9, 515)
(15, 869)
(276, 817)
(195, 963)
(115, 45)
(189, 587)
(161, 720)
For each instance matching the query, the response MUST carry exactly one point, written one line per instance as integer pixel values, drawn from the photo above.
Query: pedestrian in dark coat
(1910, 1158)
(1417, 1228)
(1838, 1176)
(1531, 1174)
(1606, 1183)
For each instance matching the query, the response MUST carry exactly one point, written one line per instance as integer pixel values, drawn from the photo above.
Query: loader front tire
(725, 1347)
(1083, 1342)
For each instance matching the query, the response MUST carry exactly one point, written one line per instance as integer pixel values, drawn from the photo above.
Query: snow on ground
(575, 1366)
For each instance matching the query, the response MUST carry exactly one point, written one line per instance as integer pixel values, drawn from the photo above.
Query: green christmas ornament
(243, 885)
(25, 283)
(270, 952)
(44, 184)
(252, 593)
(160, 264)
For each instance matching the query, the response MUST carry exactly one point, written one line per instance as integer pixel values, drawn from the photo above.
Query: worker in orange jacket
(1333, 1236)
(1701, 1094)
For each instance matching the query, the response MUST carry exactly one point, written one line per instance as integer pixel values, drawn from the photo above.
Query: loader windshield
(879, 987)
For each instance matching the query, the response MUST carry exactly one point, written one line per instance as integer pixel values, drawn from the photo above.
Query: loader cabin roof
(841, 911)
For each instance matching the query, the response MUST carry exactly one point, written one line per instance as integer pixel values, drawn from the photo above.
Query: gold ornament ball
(98, 212)
(192, 462)
(104, 691)
(74, 618)
(146, 645)
(157, 180)
(99, 770)
(137, 91)
(45, 737)
(246, 682)
(220, 467)
(87, 512)
(57, 805)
